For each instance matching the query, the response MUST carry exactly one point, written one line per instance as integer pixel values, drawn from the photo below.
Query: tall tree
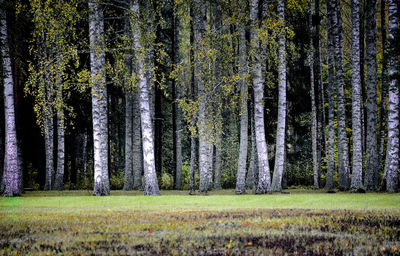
(392, 153)
(59, 181)
(356, 179)
(218, 162)
(331, 8)
(242, 160)
(12, 173)
(372, 166)
(264, 178)
(150, 177)
(137, 151)
(176, 111)
(343, 153)
(281, 127)
(314, 131)
(48, 131)
(200, 27)
(128, 184)
(99, 99)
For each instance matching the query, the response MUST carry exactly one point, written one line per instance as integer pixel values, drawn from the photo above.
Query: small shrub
(167, 181)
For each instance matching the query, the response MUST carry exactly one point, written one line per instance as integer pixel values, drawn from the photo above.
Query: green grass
(180, 200)
(302, 222)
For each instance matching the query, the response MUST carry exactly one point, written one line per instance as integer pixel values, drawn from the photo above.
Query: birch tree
(356, 179)
(343, 153)
(392, 151)
(264, 178)
(12, 173)
(99, 100)
(372, 166)
(281, 127)
(242, 160)
(331, 88)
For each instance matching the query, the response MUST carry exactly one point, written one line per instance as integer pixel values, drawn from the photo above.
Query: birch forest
(256, 96)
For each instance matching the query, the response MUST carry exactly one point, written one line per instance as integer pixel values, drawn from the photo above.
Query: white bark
(280, 131)
(11, 175)
(99, 100)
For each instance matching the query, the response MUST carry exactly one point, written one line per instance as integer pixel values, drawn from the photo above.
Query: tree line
(199, 95)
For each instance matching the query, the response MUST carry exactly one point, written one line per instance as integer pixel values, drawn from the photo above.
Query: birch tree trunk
(392, 153)
(99, 100)
(242, 161)
(331, 80)
(264, 178)
(128, 184)
(372, 167)
(59, 182)
(314, 133)
(150, 177)
(49, 138)
(218, 161)
(137, 154)
(384, 93)
(356, 179)
(11, 174)
(252, 174)
(200, 26)
(280, 131)
(177, 112)
(343, 151)
(321, 142)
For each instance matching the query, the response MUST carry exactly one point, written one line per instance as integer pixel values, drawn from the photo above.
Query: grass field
(302, 222)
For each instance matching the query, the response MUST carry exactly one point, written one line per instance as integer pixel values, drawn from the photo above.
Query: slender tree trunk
(392, 153)
(150, 177)
(12, 186)
(264, 178)
(59, 182)
(49, 138)
(137, 152)
(362, 75)
(210, 165)
(218, 161)
(99, 100)
(372, 167)
(252, 174)
(356, 179)
(314, 132)
(200, 26)
(242, 161)
(280, 131)
(343, 151)
(331, 89)
(128, 184)
(384, 93)
(321, 141)
(193, 95)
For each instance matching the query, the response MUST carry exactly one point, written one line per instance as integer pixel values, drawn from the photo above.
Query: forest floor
(304, 222)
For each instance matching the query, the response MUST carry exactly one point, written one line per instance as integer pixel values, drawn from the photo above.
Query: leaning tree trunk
(12, 186)
(356, 179)
(372, 167)
(264, 178)
(331, 80)
(343, 153)
(128, 184)
(281, 127)
(59, 182)
(392, 153)
(242, 161)
(99, 100)
(314, 133)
